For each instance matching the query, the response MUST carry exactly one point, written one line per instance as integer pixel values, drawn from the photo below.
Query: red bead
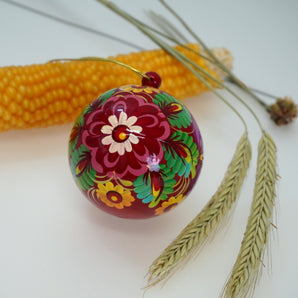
(154, 81)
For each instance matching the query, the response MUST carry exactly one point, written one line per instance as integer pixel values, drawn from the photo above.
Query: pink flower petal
(114, 147)
(121, 148)
(136, 128)
(113, 120)
(107, 140)
(127, 145)
(133, 139)
(131, 121)
(122, 118)
(107, 129)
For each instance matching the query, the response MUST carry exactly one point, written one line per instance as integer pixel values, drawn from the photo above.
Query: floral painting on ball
(135, 152)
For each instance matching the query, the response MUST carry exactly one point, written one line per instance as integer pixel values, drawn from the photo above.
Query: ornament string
(136, 71)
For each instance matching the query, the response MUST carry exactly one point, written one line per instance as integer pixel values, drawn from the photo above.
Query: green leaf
(105, 96)
(81, 168)
(181, 154)
(143, 187)
(74, 135)
(99, 101)
(177, 114)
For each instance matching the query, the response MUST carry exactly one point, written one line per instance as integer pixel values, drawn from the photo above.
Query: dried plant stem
(245, 272)
(248, 264)
(281, 117)
(205, 223)
(73, 24)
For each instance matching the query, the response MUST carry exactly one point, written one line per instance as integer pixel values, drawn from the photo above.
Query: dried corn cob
(55, 93)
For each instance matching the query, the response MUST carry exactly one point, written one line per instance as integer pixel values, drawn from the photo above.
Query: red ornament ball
(135, 152)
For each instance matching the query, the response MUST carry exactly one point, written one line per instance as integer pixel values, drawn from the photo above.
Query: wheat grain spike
(202, 226)
(247, 267)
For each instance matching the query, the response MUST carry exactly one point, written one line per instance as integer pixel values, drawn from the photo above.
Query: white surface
(54, 243)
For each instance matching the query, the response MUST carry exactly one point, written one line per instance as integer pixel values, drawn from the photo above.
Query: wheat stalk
(202, 226)
(248, 264)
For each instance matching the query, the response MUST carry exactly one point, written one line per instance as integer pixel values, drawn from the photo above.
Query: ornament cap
(153, 81)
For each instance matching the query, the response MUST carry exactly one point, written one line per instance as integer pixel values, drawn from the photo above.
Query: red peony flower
(123, 133)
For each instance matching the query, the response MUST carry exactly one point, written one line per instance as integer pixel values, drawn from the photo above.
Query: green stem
(182, 58)
(216, 61)
(220, 84)
(263, 93)
(168, 27)
(242, 86)
(171, 51)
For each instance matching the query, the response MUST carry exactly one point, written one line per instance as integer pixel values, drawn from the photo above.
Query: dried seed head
(283, 111)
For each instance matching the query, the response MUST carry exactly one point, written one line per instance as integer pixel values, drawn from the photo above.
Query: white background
(54, 243)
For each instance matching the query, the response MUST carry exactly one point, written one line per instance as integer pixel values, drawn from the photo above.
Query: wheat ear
(248, 264)
(202, 226)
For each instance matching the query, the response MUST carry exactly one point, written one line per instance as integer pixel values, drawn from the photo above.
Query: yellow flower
(114, 196)
(137, 90)
(171, 203)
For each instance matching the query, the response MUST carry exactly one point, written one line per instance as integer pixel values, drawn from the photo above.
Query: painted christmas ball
(135, 152)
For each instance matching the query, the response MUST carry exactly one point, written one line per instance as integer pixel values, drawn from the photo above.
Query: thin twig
(72, 24)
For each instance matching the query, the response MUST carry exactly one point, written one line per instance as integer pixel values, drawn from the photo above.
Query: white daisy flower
(121, 133)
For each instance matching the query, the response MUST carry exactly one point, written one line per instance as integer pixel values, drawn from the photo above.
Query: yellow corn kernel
(55, 93)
